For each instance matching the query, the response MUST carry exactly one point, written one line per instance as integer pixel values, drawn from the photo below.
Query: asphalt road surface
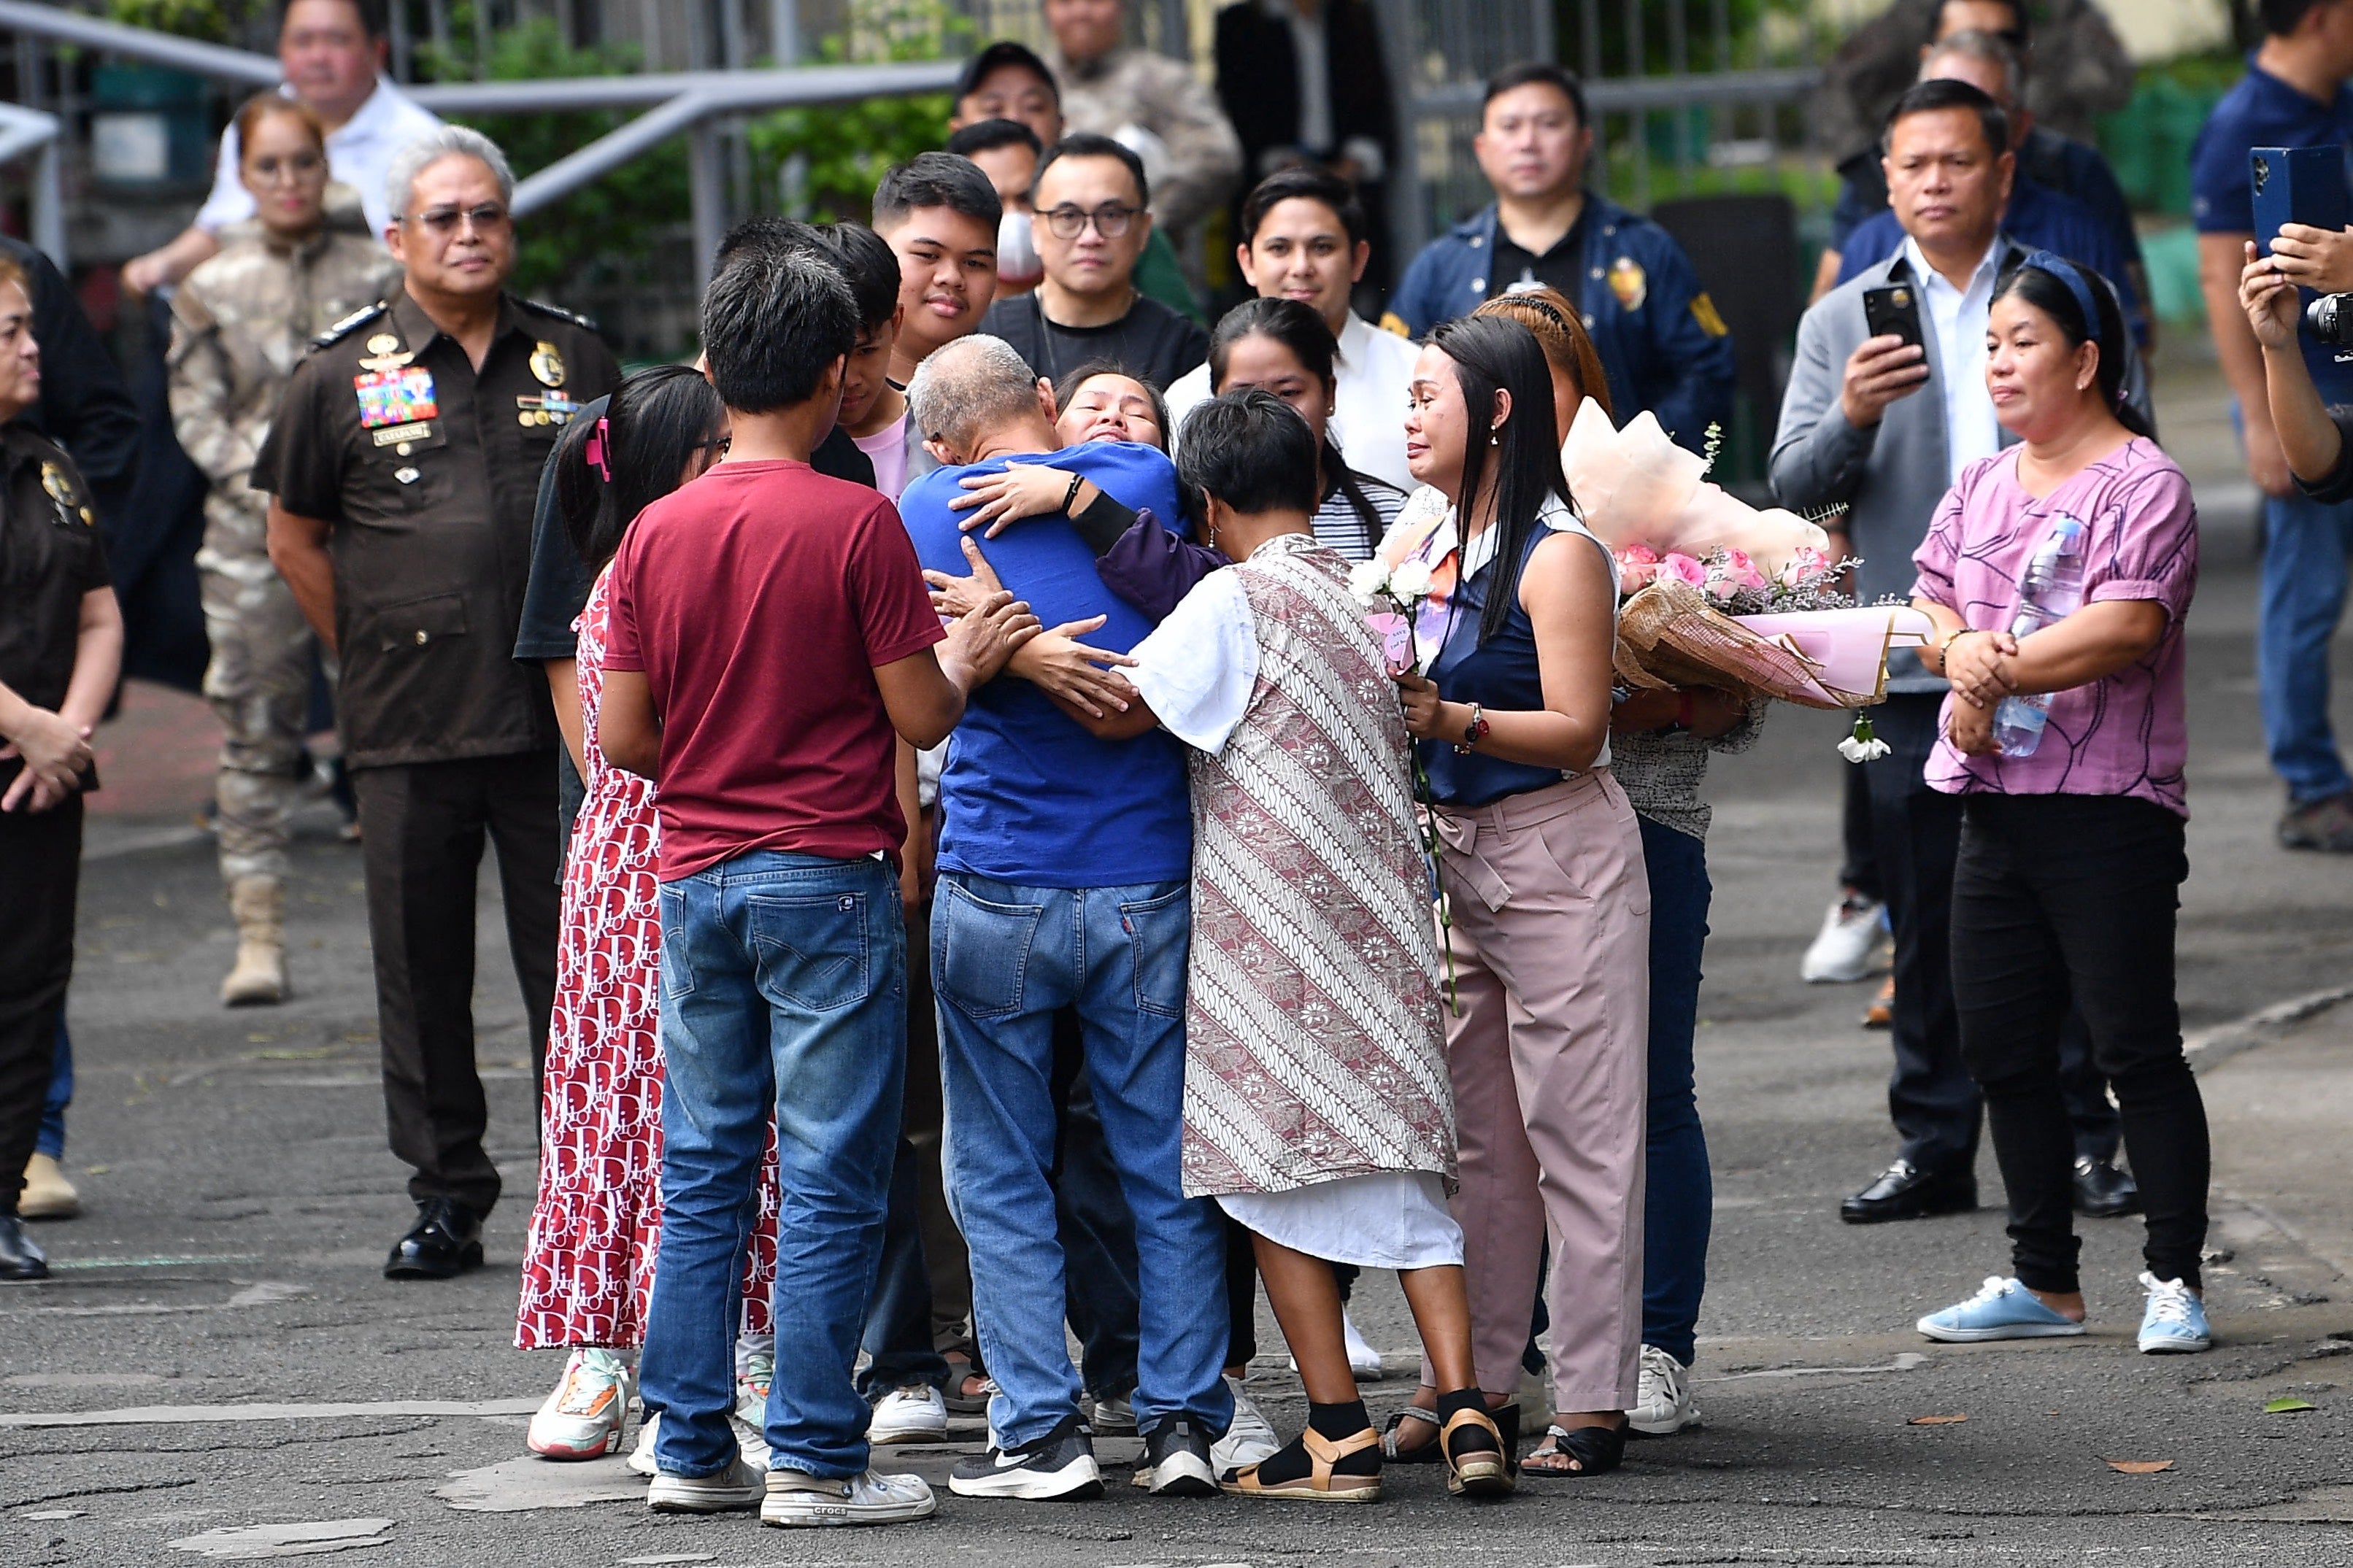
(218, 1351)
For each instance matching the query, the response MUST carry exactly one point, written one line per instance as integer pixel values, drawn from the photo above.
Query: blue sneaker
(2175, 1322)
(2001, 1309)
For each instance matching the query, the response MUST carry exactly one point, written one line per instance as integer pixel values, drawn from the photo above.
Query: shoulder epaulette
(561, 314)
(350, 324)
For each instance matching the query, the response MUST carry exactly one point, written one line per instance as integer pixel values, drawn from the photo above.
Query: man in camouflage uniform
(1190, 153)
(241, 323)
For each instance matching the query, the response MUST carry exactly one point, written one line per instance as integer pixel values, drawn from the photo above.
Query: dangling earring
(1495, 437)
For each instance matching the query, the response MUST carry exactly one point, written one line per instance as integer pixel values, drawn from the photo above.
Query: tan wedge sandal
(1319, 1485)
(1484, 1473)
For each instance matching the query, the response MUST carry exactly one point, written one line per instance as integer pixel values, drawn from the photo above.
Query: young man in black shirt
(1092, 223)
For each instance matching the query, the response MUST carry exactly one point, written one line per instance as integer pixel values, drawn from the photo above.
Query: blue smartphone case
(2298, 184)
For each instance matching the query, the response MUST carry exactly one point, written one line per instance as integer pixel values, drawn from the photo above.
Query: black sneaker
(1176, 1460)
(1061, 1466)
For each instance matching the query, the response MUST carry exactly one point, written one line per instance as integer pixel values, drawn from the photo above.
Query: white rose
(1367, 580)
(1870, 751)
(1410, 581)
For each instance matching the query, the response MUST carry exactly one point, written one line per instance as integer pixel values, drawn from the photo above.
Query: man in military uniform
(60, 650)
(402, 468)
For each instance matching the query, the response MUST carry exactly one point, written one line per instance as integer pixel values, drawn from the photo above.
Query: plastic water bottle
(2051, 590)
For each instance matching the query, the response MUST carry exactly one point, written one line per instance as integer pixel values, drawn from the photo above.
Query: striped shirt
(1339, 527)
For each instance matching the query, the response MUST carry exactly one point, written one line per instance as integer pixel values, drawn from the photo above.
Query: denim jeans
(2304, 548)
(1104, 1299)
(52, 1139)
(898, 1334)
(1680, 1201)
(783, 983)
(1003, 959)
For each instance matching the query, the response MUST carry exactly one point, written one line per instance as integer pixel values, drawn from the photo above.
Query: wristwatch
(1473, 732)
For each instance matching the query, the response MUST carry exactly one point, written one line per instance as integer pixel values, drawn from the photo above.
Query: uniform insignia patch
(382, 344)
(547, 364)
(350, 323)
(61, 491)
(1628, 282)
(1710, 320)
(554, 408)
(395, 397)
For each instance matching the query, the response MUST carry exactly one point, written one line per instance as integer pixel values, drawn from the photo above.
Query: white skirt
(1389, 1219)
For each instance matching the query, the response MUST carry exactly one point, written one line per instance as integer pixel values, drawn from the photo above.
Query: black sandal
(1596, 1450)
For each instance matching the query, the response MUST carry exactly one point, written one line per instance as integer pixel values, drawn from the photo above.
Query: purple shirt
(2125, 734)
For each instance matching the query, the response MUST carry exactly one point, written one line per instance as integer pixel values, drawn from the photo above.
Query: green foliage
(605, 227)
(212, 21)
(842, 150)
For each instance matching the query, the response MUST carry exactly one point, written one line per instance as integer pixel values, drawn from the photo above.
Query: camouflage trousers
(259, 682)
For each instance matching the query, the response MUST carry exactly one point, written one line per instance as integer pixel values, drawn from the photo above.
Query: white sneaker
(1843, 950)
(582, 1419)
(797, 1500)
(1113, 1417)
(1663, 1405)
(1363, 1360)
(1249, 1440)
(733, 1489)
(913, 1414)
(642, 1461)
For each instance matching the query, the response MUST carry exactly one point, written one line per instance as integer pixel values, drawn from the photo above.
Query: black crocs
(1597, 1450)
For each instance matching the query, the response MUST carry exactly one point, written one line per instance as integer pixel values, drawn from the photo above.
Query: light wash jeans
(1003, 959)
(783, 982)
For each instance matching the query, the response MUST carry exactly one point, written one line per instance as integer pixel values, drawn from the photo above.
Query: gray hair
(1975, 44)
(970, 386)
(444, 141)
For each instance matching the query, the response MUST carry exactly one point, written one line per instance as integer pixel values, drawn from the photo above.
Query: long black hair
(1491, 355)
(658, 418)
(1302, 330)
(2048, 292)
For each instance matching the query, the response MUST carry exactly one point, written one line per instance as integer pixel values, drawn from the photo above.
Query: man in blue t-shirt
(1064, 884)
(2293, 95)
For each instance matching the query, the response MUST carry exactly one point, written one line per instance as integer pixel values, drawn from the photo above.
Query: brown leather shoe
(1881, 1014)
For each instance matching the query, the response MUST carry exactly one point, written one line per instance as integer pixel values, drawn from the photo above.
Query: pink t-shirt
(886, 450)
(2125, 734)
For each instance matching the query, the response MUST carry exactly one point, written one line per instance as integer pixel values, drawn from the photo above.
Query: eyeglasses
(1111, 220)
(271, 170)
(485, 219)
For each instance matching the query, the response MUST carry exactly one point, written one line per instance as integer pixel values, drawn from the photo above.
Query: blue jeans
(1680, 1202)
(52, 1137)
(899, 1318)
(1003, 959)
(783, 982)
(2304, 548)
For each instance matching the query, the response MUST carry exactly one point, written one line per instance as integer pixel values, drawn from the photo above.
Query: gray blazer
(1890, 477)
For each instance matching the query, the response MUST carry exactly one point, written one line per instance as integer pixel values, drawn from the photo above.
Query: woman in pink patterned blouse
(2072, 840)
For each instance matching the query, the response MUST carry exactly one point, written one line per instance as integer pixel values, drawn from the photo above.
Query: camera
(2330, 319)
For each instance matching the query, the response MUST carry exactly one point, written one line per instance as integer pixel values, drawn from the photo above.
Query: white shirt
(359, 153)
(1368, 416)
(1199, 667)
(1958, 318)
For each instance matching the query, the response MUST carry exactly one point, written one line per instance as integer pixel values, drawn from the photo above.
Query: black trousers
(1915, 836)
(422, 826)
(2069, 901)
(40, 875)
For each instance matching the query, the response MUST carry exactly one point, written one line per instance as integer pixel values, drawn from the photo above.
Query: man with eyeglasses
(1092, 216)
(402, 468)
(333, 53)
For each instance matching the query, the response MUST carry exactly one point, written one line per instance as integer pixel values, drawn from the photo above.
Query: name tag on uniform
(553, 407)
(403, 396)
(400, 435)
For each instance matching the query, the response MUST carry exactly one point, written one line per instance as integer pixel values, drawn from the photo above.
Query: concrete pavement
(218, 1351)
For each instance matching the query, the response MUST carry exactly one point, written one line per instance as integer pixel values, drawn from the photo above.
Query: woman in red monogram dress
(596, 1225)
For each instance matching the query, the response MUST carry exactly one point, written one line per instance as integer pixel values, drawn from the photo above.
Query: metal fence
(1681, 101)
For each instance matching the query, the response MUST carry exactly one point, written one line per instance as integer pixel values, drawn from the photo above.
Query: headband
(2067, 272)
(600, 442)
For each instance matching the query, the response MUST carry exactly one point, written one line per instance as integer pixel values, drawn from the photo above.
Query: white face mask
(1018, 266)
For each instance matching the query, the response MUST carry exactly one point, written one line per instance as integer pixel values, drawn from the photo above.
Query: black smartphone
(1894, 310)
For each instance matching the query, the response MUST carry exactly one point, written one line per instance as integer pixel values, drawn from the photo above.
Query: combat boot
(258, 976)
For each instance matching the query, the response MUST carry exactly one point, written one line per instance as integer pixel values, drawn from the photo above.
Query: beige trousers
(1550, 938)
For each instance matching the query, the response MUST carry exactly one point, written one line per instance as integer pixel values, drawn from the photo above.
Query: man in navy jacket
(1663, 345)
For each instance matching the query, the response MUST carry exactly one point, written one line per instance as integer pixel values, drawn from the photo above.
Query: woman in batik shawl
(1317, 1111)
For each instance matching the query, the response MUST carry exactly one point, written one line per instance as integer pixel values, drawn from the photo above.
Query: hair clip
(600, 442)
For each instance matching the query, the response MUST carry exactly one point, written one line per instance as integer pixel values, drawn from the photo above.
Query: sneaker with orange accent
(1881, 1014)
(582, 1419)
